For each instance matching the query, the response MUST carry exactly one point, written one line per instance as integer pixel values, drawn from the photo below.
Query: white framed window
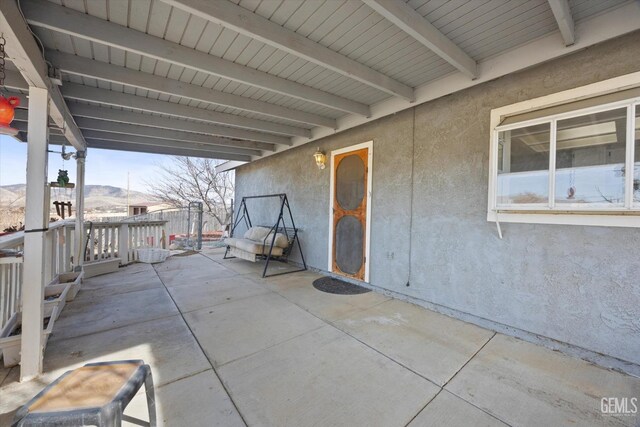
(569, 158)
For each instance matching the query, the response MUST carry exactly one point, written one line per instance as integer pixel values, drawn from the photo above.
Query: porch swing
(275, 242)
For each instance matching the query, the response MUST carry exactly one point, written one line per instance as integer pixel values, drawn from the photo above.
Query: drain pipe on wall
(413, 160)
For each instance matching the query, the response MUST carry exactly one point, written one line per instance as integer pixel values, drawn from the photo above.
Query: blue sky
(104, 167)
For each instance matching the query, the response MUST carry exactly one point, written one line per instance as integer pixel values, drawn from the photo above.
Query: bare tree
(12, 214)
(189, 179)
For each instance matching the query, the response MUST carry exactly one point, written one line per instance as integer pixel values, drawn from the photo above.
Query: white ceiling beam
(21, 115)
(25, 54)
(253, 25)
(411, 22)
(73, 64)
(261, 141)
(21, 125)
(154, 149)
(14, 80)
(150, 145)
(97, 129)
(21, 136)
(223, 145)
(606, 26)
(45, 14)
(161, 142)
(562, 13)
(229, 165)
(141, 103)
(140, 148)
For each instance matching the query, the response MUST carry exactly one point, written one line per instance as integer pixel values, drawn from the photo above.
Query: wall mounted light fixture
(320, 158)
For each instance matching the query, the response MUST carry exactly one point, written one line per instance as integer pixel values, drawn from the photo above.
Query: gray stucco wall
(575, 284)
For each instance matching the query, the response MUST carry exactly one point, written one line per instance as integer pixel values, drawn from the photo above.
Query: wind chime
(63, 187)
(9, 103)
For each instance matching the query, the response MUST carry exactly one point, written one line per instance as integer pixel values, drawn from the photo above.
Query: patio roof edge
(229, 165)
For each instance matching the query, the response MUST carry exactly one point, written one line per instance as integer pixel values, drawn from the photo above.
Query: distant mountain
(95, 196)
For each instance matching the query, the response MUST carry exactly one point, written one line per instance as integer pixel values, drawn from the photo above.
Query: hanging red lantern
(7, 105)
(7, 112)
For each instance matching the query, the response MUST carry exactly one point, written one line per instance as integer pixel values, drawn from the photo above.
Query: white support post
(36, 222)
(49, 247)
(79, 229)
(123, 244)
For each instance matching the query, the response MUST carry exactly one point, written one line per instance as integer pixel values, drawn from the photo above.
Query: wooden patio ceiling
(243, 79)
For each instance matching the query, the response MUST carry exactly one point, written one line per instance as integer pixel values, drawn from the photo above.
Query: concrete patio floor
(229, 348)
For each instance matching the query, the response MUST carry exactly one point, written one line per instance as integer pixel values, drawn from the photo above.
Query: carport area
(229, 348)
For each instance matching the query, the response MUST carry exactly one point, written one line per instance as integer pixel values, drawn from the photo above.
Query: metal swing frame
(280, 226)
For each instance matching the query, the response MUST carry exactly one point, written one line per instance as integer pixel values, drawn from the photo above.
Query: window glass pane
(636, 161)
(590, 159)
(523, 165)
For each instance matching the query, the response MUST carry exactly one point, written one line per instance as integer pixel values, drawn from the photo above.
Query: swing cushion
(245, 248)
(258, 248)
(257, 241)
(265, 235)
(256, 233)
(281, 240)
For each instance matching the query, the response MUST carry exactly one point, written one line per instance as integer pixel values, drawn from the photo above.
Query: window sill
(609, 218)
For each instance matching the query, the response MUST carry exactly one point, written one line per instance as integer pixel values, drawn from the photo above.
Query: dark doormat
(340, 287)
(186, 253)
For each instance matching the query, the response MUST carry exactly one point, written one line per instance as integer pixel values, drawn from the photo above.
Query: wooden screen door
(349, 215)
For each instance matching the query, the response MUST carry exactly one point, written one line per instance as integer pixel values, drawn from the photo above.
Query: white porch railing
(58, 260)
(105, 241)
(60, 247)
(102, 241)
(10, 276)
